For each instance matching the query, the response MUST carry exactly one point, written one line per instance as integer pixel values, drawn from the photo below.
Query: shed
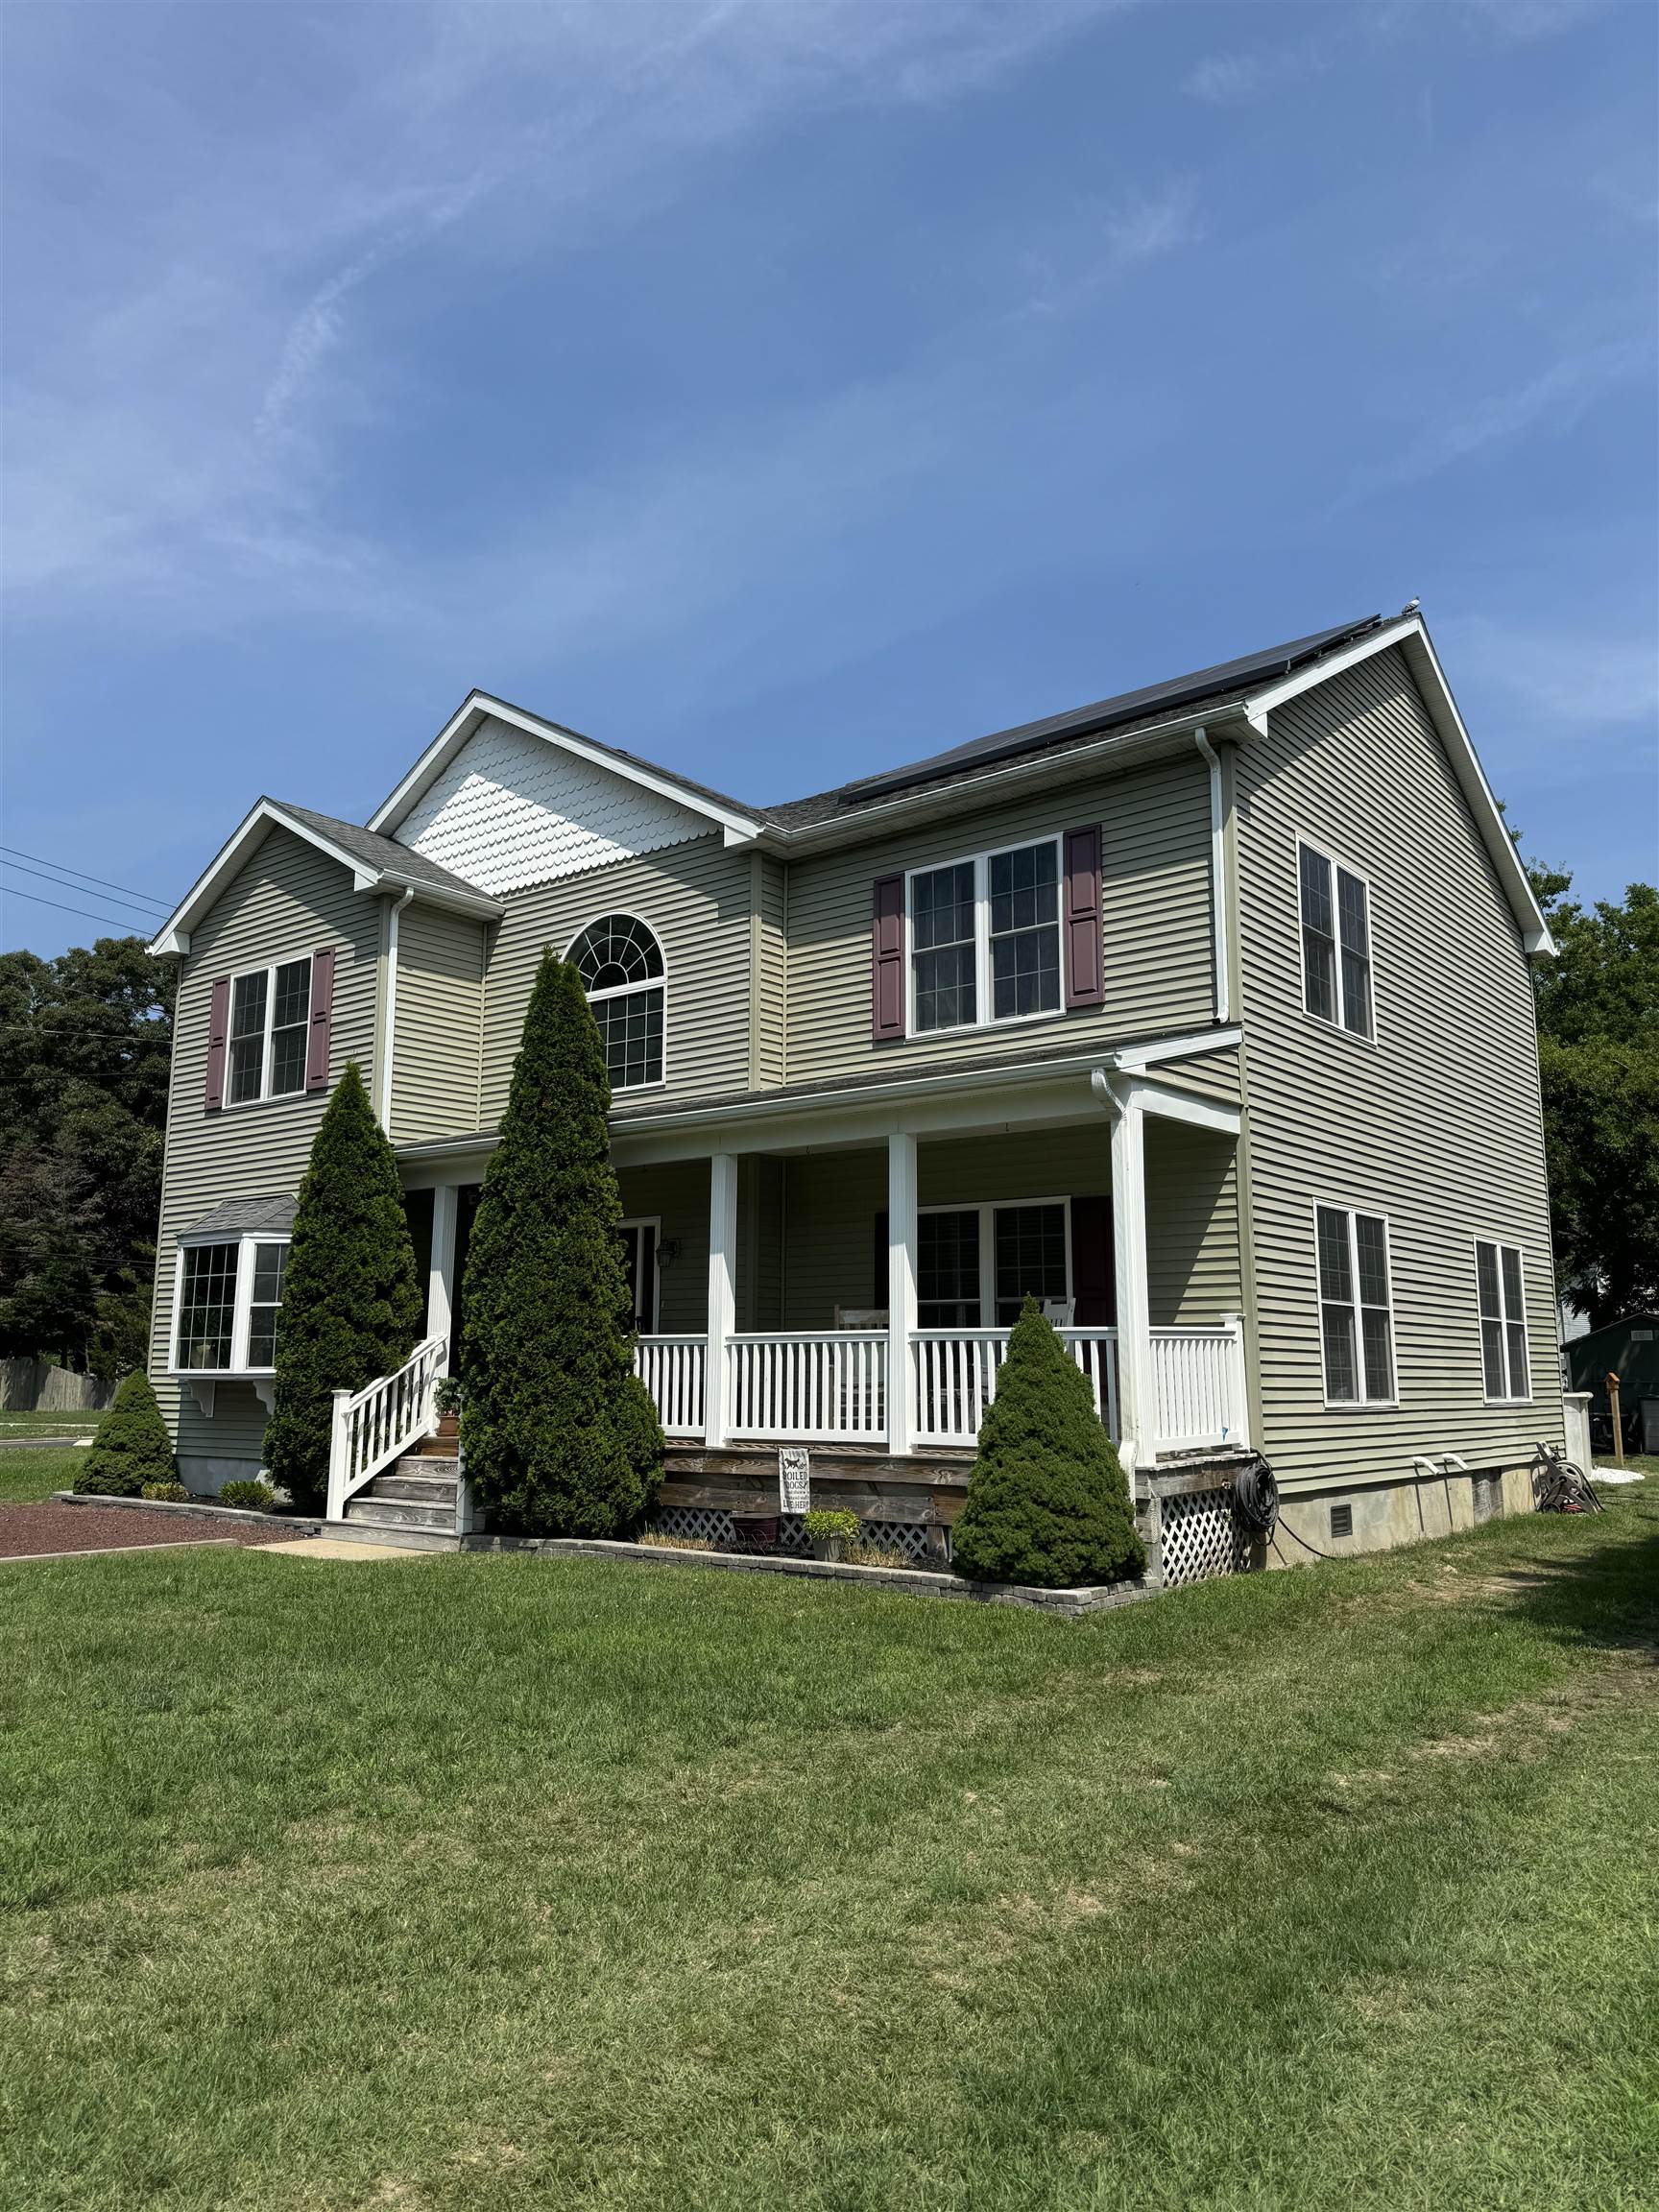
(1628, 1348)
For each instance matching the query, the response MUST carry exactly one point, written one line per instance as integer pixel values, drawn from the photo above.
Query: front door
(639, 1264)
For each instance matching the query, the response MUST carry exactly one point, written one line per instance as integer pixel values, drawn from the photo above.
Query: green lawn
(25, 1475)
(488, 1883)
(48, 1425)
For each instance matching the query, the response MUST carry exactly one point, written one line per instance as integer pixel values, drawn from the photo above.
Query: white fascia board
(1412, 635)
(173, 941)
(479, 706)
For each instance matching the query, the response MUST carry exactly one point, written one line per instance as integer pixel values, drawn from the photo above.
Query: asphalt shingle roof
(243, 1217)
(380, 853)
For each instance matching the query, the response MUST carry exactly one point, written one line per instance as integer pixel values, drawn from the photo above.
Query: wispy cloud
(1235, 80)
(1107, 240)
(1576, 679)
(178, 417)
(1554, 402)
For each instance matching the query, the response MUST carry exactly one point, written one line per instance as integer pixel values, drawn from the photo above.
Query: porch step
(353, 1532)
(415, 1477)
(397, 1513)
(444, 1441)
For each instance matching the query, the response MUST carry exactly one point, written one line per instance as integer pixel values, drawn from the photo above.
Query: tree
(1047, 1503)
(1599, 1061)
(131, 1446)
(352, 1304)
(86, 1043)
(560, 1436)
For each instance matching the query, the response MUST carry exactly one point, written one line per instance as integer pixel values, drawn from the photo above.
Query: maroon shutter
(1093, 1263)
(887, 960)
(1084, 979)
(317, 1045)
(218, 1029)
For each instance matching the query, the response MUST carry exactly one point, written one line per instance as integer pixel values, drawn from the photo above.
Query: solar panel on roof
(1105, 714)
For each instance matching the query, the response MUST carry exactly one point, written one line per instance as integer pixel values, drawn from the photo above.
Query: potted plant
(831, 1533)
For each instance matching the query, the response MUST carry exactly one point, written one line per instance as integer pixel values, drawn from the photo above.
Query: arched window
(620, 964)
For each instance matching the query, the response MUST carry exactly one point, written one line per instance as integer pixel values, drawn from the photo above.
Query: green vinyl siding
(696, 899)
(1192, 1275)
(1155, 899)
(771, 896)
(1435, 1126)
(287, 898)
(438, 1039)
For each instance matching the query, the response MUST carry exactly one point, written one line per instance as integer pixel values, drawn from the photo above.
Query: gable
(511, 810)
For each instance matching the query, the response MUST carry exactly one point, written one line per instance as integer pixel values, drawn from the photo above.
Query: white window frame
(265, 1095)
(653, 1222)
(988, 1209)
(1503, 1318)
(1359, 1404)
(245, 1239)
(981, 864)
(1335, 861)
(623, 990)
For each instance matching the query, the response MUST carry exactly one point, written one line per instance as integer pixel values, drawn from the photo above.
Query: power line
(111, 921)
(101, 881)
(110, 898)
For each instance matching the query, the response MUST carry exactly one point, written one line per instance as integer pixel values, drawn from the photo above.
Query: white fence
(378, 1424)
(811, 1386)
(672, 1369)
(1198, 1387)
(955, 1377)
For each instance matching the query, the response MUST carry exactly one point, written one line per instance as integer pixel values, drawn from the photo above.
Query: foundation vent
(1341, 1520)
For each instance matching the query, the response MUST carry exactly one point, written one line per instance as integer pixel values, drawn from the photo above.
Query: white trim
(1500, 1246)
(902, 1239)
(1361, 1403)
(721, 1314)
(1412, 635)
(1115, 1088)
(479, 706)
(172, 939)
(1217, 873)
(265, 1095)
(625, 989)
(1335, 862)
(984, 1018)
(389, 1028)
(653, 1222)
(440, 1268)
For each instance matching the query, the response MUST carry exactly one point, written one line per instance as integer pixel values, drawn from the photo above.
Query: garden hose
(1255, 1496)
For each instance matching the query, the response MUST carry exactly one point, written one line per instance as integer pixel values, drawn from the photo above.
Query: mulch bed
(28, 1531)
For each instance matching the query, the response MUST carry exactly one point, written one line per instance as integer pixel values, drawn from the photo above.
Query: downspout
(1217, 874)
(388, 1035)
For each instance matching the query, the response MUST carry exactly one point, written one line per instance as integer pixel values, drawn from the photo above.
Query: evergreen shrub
(131, 1446)
(351, 1303)
(560, 1436)
(1047, 1503)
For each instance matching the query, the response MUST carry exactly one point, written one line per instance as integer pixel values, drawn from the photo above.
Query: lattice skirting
(712, 1526)
(1201, 1538)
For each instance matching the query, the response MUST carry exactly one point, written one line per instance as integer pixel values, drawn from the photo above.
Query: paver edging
(203, 1509)
(913, 1582)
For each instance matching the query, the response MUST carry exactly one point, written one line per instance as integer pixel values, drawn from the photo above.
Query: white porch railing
(672, 1368)
(809, 1385)
(1198, 1387)
(377, 1424)
(955, 1372)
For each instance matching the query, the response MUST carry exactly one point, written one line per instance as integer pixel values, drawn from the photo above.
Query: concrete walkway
(332, 1547)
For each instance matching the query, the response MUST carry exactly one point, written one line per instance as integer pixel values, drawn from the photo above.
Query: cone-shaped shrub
(1047, 1503)
(131, 1446)
(560, 1436)
(352, 1304)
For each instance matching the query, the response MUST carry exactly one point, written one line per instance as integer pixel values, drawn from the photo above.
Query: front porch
(827, 1279)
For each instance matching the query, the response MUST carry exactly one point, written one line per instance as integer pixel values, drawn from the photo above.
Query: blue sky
(786, 390)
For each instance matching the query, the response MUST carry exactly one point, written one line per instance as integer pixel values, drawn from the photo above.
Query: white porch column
(722, 1296)
(1138, 1443)
(901, 1284)
(440, 1283)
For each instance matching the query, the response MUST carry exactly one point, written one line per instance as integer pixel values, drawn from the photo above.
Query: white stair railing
(379, 1422)
(672, 1369)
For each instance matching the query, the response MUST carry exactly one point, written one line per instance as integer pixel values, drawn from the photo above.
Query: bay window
(227, 1298)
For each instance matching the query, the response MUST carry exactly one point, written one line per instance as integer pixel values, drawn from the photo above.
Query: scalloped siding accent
(512, 810)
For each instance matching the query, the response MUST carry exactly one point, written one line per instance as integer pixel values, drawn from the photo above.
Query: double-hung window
(985, 939)
(1502, 1321)
(270, 1024)
(1336, 941)
(1355, 1308)
(228, 1295)
(975, 1265)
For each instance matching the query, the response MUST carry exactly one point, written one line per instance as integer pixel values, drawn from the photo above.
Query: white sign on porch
(794, 1480)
